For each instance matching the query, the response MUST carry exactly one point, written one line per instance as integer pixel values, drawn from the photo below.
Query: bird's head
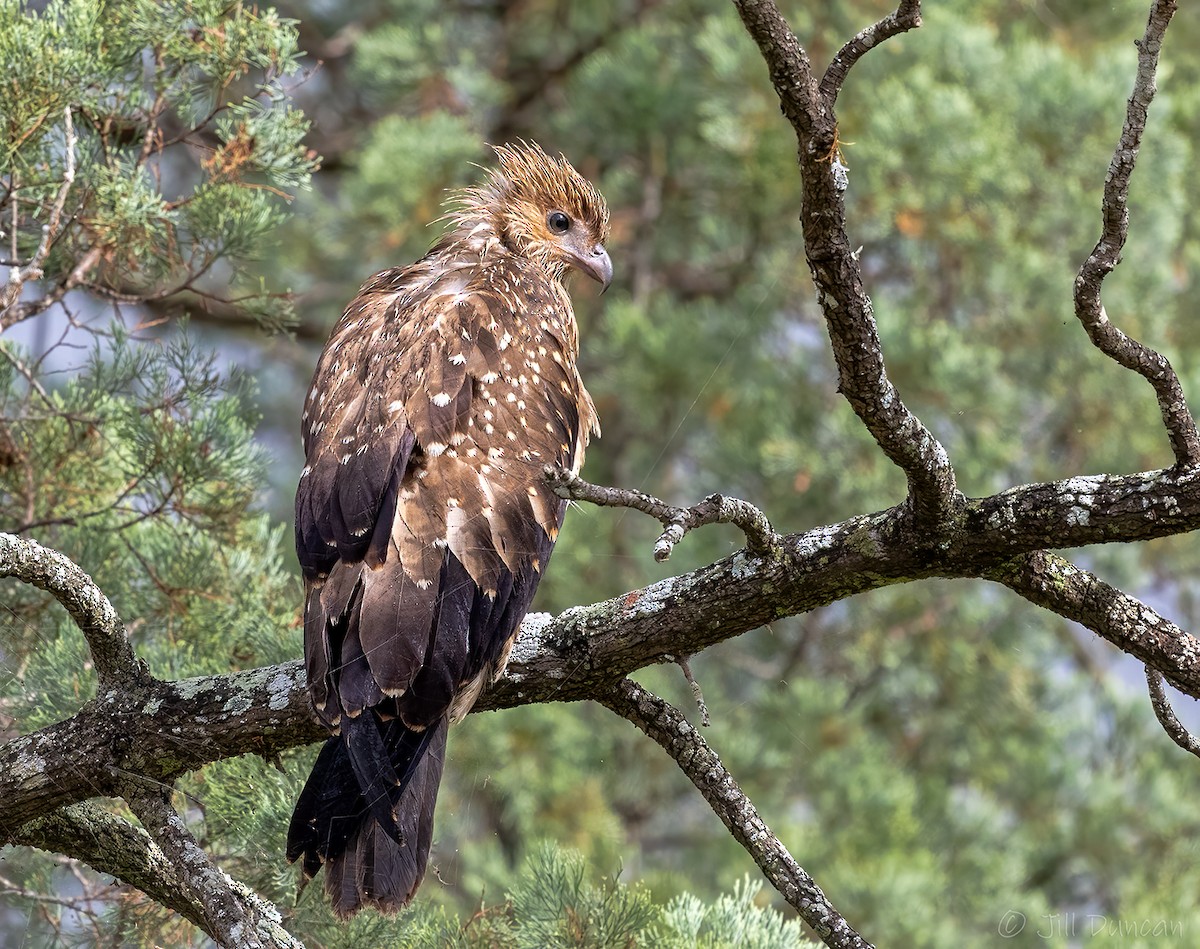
(542, 208)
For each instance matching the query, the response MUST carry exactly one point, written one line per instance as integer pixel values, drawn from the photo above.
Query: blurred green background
(937, 755)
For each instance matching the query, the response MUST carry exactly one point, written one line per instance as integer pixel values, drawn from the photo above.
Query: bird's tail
(366, 812)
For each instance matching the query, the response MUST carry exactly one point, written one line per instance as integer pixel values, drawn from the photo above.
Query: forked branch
(233, 915)
(112, 845)
(862, 376)
(905, 17)
(676, 521)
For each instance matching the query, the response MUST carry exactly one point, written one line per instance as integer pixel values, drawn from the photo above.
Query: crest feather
(527, 175)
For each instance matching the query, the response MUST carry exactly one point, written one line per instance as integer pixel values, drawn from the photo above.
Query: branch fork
(761, 538)
(168, 863)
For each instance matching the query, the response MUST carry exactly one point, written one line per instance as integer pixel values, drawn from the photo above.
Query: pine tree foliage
(556, 905)
(145, 146)
(557, 901)
(146, 470)
(733, 919)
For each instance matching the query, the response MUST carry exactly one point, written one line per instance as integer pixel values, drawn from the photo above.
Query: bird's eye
(558, 222)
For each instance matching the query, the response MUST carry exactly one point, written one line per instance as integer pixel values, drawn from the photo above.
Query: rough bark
(231, 913)
(164, 729)
(849, 315)
(102, 839)
(1114, 212)
(49, 570)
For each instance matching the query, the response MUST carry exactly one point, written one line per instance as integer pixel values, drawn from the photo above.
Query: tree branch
(1058, 585)
(18, 312)
(19, 276)
(907, 16)
(667, 726)
(862, 376)
(112, 845)
(1166, 715)
(156, 730)
(1123, 349)
(233, 915)
(160, 730)
(49, 570)
(676, 521)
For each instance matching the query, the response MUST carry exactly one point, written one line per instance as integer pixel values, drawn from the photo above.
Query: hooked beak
(596, 265)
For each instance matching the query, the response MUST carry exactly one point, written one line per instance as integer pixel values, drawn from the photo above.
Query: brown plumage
(422, 521)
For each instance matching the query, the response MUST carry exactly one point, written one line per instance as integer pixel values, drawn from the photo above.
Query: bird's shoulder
(458, 370)
(493, 313)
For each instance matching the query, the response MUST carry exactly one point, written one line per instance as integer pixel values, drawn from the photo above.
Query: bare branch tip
(676, 521)
(1166, 715)
(697, 694)
(1089, 310)
(664, 723)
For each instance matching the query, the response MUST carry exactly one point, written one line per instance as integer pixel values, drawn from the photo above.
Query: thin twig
(15, 252)
(1123, 349)
(664, 723)
(82, 905)
(907, 16)
(152, 129)
(676, 521)
(50, 229)
(697, 693)
(162, 293)
(27, 374)
(1166, 715)
(18, 312)
(19, 276)
(15, 277)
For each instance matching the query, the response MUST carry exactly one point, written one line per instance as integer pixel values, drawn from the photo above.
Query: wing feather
(423, 525)
(317, 662)
(395, 621)
(356, 687)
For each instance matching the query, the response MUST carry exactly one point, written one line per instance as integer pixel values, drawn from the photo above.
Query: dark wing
(422, 521)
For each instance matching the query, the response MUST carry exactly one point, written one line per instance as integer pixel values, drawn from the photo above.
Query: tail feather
(369, 862)
(328, 811)
(371, 760)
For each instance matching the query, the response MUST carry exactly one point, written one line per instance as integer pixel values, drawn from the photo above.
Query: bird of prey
(423, 523)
